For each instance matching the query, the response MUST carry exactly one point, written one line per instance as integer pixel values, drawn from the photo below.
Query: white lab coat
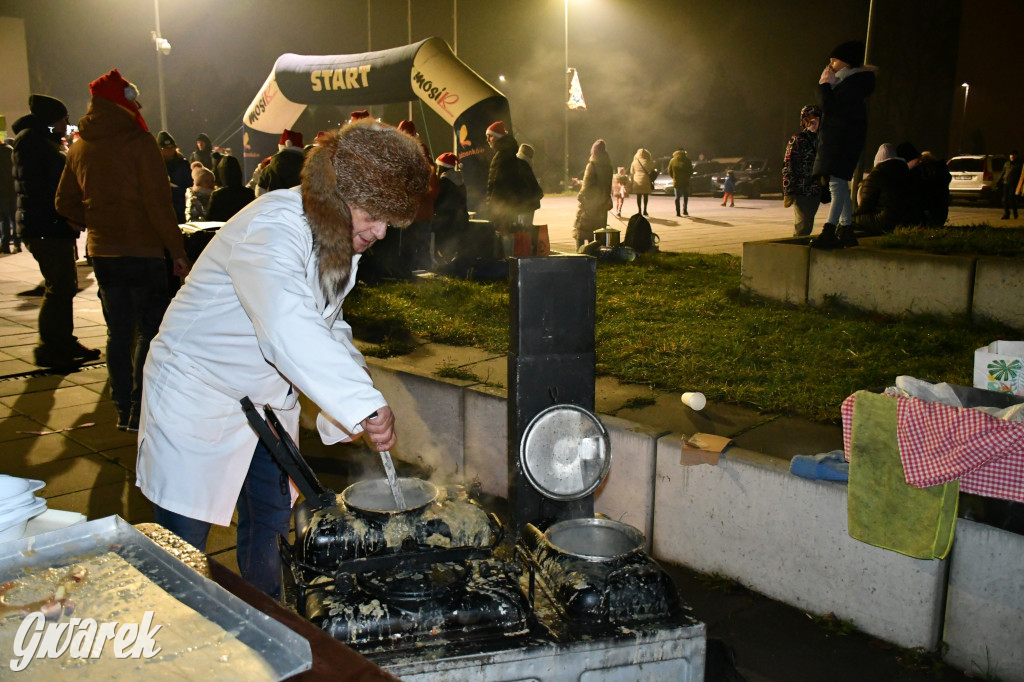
(252, 321)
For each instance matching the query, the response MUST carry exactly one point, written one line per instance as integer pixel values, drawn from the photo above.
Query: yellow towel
(882, 508)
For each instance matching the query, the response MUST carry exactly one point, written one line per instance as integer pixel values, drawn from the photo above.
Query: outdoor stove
(440, 590)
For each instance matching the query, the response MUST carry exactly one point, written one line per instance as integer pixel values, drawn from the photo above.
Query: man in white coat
(260, 316)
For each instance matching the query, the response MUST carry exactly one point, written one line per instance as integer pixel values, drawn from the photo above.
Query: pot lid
(565, 452)
(606, 230)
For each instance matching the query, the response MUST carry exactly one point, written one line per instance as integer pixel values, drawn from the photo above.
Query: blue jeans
(683, 192)
(840, 211)
(264, 512)
(133, 292)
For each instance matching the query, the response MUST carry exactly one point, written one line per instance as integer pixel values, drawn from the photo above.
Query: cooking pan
(607, 236)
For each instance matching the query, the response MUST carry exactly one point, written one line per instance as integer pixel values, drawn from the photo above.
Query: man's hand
(827, 76)
(181, 267)
(380, 429)
(787, 201)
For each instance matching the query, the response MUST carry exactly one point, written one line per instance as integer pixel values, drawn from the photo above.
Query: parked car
(976, 177)
(703, 171)
(663, 183)
(754, 177)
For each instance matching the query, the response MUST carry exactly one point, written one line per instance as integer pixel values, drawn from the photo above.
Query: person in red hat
(502, 201)
(285, 167)
(451, 215)
(115, 184)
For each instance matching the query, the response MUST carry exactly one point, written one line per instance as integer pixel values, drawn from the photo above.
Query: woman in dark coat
(844, 86)
(228, 200)
(886, 198)
(595, 197)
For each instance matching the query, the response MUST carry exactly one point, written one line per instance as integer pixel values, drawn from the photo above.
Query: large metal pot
(607, 236)
(594, 539)
(374, 495)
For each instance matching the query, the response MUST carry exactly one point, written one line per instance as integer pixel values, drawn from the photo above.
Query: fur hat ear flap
(329, 217)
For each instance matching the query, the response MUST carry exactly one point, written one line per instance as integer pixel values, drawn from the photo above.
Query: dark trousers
(264, 512)
(640, 197)
(1010, 200)
(56, 259)
(133, 292)
(684, 193)
(804, 209)
(8, 228)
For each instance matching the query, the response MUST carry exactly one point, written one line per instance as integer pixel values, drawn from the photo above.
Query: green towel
(883, 509)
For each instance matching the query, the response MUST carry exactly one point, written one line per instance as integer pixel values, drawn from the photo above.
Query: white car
(976, 177)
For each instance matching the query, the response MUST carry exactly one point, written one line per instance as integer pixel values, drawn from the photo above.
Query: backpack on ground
(639, 235)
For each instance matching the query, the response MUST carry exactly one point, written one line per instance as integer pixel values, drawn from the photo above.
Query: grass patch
(677, 322)
(454, 372)
(980, 240)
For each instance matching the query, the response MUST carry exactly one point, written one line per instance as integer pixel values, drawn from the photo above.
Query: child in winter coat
(728, 189)
(620, 189)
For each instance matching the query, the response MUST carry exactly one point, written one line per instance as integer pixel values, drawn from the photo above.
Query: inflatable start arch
(427, 70)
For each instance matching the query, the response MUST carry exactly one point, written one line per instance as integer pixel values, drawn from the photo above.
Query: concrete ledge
(776, 269)
(998, 291)
(985, 604)
(786, 537)
(892, 282)
(750, 520)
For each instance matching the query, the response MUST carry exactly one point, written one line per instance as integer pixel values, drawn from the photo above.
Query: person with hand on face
(260, 316)
(799, 188)
(844, 86)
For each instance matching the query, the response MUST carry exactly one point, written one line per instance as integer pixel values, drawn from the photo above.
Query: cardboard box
(999, 366)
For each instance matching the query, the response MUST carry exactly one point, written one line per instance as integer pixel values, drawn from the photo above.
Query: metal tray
(287, 652)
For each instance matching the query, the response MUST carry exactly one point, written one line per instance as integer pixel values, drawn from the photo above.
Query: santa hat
(497, 129)
(408, 127)
(290, 138)
(448, 160)
(114, 87)
(356, 115)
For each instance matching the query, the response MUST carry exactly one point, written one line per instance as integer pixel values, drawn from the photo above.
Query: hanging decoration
(576, 93)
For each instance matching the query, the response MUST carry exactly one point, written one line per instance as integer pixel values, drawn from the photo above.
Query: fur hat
(408, 127)
(886, 151)
(164, 139)
(367, 165)
(358, 114)
(114, 87)
(47, 109)
(851, 52)
(290, 138)
(525, 152)
(448, 160)
(497, 129)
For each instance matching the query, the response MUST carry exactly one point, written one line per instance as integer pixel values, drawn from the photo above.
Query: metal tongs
(284, 451)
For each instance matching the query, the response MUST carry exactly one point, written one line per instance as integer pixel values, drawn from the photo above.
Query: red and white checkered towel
(939, 443)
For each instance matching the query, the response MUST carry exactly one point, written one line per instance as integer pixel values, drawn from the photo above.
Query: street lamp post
(963, 121)
(162, 48)
(565, 95)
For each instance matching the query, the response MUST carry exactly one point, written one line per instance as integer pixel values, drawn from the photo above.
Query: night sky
(723, 79)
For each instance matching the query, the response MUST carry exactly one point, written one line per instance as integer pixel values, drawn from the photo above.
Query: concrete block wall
(891, 282)
(776, 269)
(749, 519)
(984, 610)
(752, 521)
(999, 290)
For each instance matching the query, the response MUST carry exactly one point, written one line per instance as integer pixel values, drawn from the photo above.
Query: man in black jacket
(178, 170)
(1011, 176)
(38, 164)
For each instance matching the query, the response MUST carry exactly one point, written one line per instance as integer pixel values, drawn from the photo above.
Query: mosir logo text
(82, 638)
